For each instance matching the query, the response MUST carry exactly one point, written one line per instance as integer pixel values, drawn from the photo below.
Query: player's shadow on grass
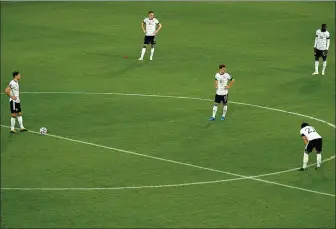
(127, 64)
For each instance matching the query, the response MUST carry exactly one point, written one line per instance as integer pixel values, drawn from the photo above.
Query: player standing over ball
(149, 25)
(12, 90)
(223, 81)
(321, 47)
(312, 140)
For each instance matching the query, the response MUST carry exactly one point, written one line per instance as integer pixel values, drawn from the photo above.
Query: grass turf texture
(80, 47)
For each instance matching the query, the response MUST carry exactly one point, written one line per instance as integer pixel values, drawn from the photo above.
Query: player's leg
(20, 119)
(318, 147)
(153, 42)
(13, 116)
(324, 64)
(217, 101)
(317, 57)
(308, 149)
(225, 107)
(144, 47)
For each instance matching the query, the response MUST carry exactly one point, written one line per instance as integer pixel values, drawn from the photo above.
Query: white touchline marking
(171, 161)
(241, 177)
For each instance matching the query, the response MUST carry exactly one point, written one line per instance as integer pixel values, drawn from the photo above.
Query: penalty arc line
(241, 177)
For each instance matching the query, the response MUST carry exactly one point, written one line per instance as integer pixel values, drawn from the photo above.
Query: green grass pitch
(101, 139)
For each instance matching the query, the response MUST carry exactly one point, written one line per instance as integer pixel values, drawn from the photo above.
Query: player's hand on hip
(227, 87)
(13, 98)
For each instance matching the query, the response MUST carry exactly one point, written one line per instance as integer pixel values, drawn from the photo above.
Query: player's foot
(212, 119)
(150, 58)
(302, 169)
(13, 132)
(140, 58)
(317, 167)
(315, 73)
(23, 129)
(323, 73)
(223, 118)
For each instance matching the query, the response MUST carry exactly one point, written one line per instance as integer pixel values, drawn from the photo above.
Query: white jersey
(150, 26)
(14, 86)
(223, 80)
(310, 133)
(322, 40)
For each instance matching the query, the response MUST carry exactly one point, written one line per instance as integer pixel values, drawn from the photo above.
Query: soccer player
(12, 90)
(149, 26)
(312, 140)
(321, 46)
(223, 81)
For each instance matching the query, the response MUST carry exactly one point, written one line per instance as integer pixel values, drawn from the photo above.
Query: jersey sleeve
(328, 36)
(144, 21)
(157, 21)
(301, 133)
(10, 85)
(230, 78)
(216, 77)
(317, 33)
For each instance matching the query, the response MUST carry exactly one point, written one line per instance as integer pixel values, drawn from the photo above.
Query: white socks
(151, 54)
(12, 123)
(143, 51)
(225, 108)
(324, 67)
(20, 120)
(214, 111)
(318, 159)
(305, 160)
(316, 66)
(13, 120)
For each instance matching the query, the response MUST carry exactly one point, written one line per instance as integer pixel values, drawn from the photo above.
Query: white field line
(181, 97)
(186, 164)
(175, 162)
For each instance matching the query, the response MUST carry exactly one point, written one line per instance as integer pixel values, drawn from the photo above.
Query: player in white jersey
(149, 26)
(223, 81)
(312, 140)
(321, 47)
(13, 91)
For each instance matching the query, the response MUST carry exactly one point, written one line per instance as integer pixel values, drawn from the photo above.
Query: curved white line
(241, 177)
(179, 97)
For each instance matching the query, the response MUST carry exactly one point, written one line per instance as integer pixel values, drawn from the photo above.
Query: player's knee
(144, 46)
(318, 152)
(20, 114)
(152, 46)
(14, 115)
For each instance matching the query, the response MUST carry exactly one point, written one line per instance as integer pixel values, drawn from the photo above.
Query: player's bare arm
(305, 140)
(160, 26)
(7, 91)
(143, 27)
(230, 84)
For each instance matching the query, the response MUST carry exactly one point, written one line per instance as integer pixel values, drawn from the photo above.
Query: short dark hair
(150, 12)
(324, 25)
(303, 125)
(222, 66)
(16, 73)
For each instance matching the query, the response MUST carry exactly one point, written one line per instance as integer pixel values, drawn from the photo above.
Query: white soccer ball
(43, 130)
